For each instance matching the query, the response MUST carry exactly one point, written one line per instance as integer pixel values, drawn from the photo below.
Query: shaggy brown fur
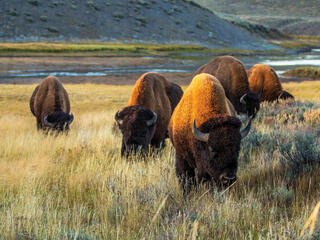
(233, 77)
(264, 81)
(51, 100)
(205, 101)
(153, 92)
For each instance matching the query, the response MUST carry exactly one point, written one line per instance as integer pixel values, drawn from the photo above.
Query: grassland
(77, 186)
(298, 42)
(117, 49)
(309, 72)
(104, 48)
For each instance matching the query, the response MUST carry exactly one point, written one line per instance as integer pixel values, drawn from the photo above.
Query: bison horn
(117, 117)
(46, 122)
(244, 132)
(153, 121)
(71, 119)
(242, 99)
(203, 137)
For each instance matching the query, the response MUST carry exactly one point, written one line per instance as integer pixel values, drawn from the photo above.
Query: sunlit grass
(77, 186)
(306, 90)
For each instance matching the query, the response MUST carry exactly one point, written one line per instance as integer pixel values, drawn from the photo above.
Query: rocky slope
(163, 21)
(291, 17)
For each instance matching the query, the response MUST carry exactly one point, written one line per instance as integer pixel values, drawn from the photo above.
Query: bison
(50, 105)
(206, 134)
(264, 81)
(233, 77)
(145, 119)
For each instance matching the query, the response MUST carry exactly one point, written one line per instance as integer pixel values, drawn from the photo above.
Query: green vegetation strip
(38, 47)
(297, 42)
(310, 72)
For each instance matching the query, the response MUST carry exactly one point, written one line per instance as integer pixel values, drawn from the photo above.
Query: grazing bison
(233, 77)
(206, 134)
(145, 119)
(264, 81)
(50, 105)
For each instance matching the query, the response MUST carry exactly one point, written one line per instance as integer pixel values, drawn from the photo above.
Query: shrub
(92, 5)
(283, 194)
(29, 19)
(13, 12)
(53, 29)
(301, 153)
(33, 2)
(43, 18)
(117, 16)
(312, 117)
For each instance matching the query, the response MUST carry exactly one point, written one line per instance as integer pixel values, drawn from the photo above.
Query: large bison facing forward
(233, 77)
(206, 134)
(264, 81)
(145, 119)
(50, 105)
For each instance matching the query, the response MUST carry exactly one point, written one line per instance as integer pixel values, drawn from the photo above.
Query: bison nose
(227, 180)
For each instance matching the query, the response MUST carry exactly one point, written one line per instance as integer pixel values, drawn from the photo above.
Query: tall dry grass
(77, 186)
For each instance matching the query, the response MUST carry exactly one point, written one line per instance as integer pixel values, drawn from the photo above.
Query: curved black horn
(46, 122)
(242, 99)
(203, 137)
(71, 119)
(117, 118)
(244, 132)
(153, 120)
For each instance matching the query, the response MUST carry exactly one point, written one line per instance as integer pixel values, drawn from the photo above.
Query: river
(19, 70)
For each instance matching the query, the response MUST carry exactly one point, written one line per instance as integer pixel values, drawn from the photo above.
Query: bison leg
(123, 153)
(185, 174)
(202, 176)
(158, 143)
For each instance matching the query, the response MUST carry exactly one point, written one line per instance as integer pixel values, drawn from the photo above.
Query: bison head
(250, 103)
(59, 121)
(217, 146)
(137, 124)
(285, 95)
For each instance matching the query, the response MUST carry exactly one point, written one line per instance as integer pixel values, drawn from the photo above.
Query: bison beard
(137, 124)
(58, 121)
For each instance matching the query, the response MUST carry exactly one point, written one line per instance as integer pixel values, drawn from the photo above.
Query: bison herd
(201, 122)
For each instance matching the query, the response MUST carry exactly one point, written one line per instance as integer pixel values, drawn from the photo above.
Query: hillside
(175, 21)
(294, 17)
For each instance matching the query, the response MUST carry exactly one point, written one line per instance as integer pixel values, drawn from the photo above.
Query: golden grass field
(77, 186)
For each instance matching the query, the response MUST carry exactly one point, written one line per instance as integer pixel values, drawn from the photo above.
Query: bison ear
(118, 119)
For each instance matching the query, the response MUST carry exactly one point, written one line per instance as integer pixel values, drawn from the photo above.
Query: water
(81, 73)
(281, 64)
